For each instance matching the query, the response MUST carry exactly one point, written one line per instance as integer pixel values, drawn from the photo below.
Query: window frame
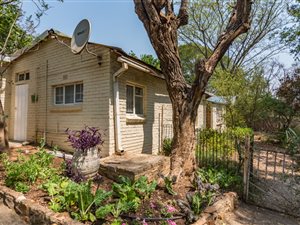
(134, 86)
(25, 74)
(64, 94)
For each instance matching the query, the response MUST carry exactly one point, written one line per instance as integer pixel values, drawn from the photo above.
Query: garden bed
(140, 202)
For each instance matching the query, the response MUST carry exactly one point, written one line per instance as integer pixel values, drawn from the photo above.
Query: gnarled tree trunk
(161, 24)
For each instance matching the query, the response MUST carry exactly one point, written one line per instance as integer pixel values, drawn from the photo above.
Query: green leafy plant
(133, 192)
(167, 146)
(169, 186)
(22, 173)
(292, 141)
(77, 199)
(226, 178)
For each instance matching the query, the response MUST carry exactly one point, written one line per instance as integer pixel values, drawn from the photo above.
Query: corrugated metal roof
(217, 100)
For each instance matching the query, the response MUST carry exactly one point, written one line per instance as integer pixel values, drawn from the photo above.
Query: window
(68, 94)
(22, 76)
(134, 100)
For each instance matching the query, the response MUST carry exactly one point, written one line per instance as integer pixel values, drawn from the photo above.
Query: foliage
(169, 185)
(207, 184)
(84, 139)
(219, 147)
(203, 195)
(167, 146)
(289, 93)
(225, 178)
(149, 59)
(292, 141)
(21, 174)
(77, 199)
(19, 36)
(206, 24)
(291, 33)
(70, 172)
(131, 193)
(17, 28)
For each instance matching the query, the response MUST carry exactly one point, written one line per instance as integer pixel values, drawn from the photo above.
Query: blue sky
(114, 22)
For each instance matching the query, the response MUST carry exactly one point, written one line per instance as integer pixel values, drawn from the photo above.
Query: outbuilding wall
(141, 134)
(50, 64)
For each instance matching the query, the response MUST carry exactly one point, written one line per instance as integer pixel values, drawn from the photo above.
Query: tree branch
(183, 15)
(239, 23)
(7, 2)
(9, 34)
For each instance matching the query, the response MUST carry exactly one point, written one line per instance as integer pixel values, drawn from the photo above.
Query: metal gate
(274, 181)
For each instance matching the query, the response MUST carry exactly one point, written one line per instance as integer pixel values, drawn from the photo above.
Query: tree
(147, 58)
(291, 33)
(289, 93)
(162, 23)
(207, 22)
(16, 31)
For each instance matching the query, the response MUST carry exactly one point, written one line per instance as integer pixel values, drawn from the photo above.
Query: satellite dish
(80, 36)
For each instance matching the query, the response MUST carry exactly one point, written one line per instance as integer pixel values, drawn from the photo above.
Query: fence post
(246, 173)
(162, 128)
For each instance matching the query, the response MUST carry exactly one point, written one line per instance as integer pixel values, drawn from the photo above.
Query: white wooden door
(21, 109)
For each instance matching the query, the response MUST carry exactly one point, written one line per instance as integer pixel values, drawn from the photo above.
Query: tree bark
(161, 24)
(4, 144)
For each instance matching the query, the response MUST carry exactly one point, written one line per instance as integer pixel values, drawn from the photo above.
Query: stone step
(134, 165)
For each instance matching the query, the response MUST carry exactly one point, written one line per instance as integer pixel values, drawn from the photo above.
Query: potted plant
(86, 143)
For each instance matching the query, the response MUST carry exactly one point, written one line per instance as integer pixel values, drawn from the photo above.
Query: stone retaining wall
(32, 212)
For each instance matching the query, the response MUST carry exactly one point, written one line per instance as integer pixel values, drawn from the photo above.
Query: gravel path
(253, 215)
(9, 217)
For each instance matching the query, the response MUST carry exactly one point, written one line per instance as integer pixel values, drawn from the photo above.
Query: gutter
(133, 64)
(118, 138)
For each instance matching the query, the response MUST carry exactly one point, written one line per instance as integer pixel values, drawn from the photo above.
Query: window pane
(59, 95)
(138, 91)
(79, 93)
(69, 94)
(27, 77)
(139, 105)
(21, 77)
(129, 99)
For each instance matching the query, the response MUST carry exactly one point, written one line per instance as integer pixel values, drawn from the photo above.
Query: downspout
(118, 138)
(46, 113)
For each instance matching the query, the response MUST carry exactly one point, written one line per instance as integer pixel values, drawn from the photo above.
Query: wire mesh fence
(215, 147)
(220, 148)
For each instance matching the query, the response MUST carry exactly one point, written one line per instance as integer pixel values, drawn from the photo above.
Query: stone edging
(35, 214)
(32, 212)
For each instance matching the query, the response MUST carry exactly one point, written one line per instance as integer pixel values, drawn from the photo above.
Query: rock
(217, 211)
(20, 198)
(22, 209)
(9, 201)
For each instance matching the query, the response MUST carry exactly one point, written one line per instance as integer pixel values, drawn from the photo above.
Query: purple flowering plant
(84, 139)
